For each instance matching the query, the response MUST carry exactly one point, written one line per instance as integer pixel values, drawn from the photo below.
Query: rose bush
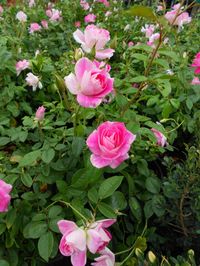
(123, 152)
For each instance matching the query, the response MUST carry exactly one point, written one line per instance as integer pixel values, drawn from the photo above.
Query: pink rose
(39, 115)
(105, 2)
(148, 30)
(77, 24)
(160, 8)
(152, 39)
(21, 16)
(195, 81)
(33, 81)
(56, 15)
(94, 38)
(183, 18)
(161, 139)
(107, 258)
(196, 63)
(21, 65)
(130, 44)
(49, 13)
(84, 4)
(31, 3)
(44, 24)
(1, 9)
(34, 27)
(90, 83)
(4, 195)
(110, 144)
(76, 240)
(90, 18)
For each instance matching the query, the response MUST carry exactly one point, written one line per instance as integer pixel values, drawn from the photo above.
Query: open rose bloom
(196, 63)
(90, 83)
(21, 16)
(77, 240)
(34, 27)
(90, 18)
(33, 81)
(21, 65)
(110, 144)
(94, 38)
(107, 258)
(4, 195)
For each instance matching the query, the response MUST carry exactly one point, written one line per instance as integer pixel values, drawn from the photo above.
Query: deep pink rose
(161, 139)
(76, 240)
(196, 63)
(34, 27)
(90, 83)
(90, 18)
(39, 115)
(110, 144)
(4, 195)
(94, 37)
(105, 2)
(21, 65)
(77, 24)
(107, 258)
(195, 81)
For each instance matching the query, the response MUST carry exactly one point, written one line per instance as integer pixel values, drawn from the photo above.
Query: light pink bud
(39, 115)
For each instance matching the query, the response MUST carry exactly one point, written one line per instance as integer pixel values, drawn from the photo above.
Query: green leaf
(93, 195)
(148, 211)
(138, 79)
(48, 155)
(26, 179)
(10, 218)
(158, 205)
(30, 158)
(140, 57)
(106, 210)
(35, 229)
(77, 146)
(2, 228)
(118, 201)
(135, 208)
(4, 141)
(45, 245)
(109, 185)
(54, 211)
(142, 11)
(4, 263)
(189, 103)
(152, 185)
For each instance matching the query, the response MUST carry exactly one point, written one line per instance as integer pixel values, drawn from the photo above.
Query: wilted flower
(161, 139)
(21, 16)
(4, 195)
(110, 144)
(21, 65)
(33, 81)
(195, 81)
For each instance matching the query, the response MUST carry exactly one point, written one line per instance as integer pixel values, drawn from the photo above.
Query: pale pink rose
(77, 24)
(39, 115)
(90, 18)
(105, 2)
(33, 81)
(160, 8)
(84, 4)
(76, 240)
(21, 65)
(94, 38)
(130, 44)
(152, 39)
(183, 18)
(49, 13)
(97, 235)
(110, 144)
(195, 81)
(107, 258)
(4, 195)
(196, 63)
(31, 3)
(161, 139)
(90, 83)
(148, 30)
(34, 27)
(1, 10)
(21, 16)
(56, 15)
(44, 24)
(108, 13)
